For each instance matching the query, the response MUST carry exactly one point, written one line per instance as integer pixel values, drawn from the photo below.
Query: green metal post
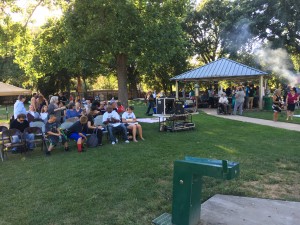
(187, 187)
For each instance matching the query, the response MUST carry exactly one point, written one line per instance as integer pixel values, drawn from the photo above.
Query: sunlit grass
(132, 184)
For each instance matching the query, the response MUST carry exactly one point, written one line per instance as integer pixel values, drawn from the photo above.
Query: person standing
(247, 91)
(33, 101)
(211, 97)
(251, 96)
(62, 98)
(19, 107)
(291, 99)
(150, 100)
(53, 108)
(239, 101)
(277, 102)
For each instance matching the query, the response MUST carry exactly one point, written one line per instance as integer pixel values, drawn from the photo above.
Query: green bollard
(187, 187)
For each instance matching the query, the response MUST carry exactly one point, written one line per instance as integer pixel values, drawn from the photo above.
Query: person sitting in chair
(223, 103)
(129, 119)
(54, 135)
(21, 123)
(112, 119)
(78, 132)
(91, 126)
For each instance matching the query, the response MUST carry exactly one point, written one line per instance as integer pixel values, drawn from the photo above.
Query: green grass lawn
(132, 183)
(268, 115)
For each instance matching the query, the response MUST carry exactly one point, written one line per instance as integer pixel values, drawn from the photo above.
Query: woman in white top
(128, 117)
(44, 113)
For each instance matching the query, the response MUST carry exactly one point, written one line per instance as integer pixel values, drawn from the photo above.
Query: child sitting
(54, 134)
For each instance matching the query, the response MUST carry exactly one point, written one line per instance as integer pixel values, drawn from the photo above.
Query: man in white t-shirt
(223, 102)
(112, 119)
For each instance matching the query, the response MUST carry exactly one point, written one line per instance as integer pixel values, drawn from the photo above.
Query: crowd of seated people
(57, 111)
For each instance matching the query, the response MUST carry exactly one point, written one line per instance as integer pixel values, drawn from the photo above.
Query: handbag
(92, 141)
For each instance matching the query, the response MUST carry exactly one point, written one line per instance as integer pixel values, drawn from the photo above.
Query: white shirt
(44, 116)
(109, 116)
(127, 115)
(223, 100)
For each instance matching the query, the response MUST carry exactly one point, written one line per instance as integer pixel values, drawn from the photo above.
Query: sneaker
(67, 149)
(48, 153)
(113, 143)
(127, 141)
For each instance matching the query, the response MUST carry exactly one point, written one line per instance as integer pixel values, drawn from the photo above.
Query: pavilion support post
(261, 91)
(177, 90)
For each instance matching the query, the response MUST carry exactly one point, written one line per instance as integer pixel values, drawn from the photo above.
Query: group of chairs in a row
(15, 139)
(37, 128)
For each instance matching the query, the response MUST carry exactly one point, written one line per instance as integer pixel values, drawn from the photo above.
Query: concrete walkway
(282, 125)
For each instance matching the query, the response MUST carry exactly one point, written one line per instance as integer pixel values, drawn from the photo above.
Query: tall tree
(205, 27)
(116, 30)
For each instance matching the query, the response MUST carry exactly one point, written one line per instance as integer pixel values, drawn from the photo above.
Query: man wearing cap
(19, 107)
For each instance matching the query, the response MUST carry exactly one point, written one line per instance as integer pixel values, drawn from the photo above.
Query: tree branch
(27, 21)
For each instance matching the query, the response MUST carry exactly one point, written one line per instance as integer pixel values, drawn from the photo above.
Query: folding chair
(8, 137)
(38, 136)
(72, 119)
(64, 128)
(39, 124)
(2, 128)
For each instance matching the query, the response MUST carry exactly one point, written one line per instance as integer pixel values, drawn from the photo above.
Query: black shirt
(53, 127)
(77, 127)
(20, 126)
(62, 99)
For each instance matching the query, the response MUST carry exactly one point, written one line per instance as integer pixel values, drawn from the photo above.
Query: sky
(40, 15)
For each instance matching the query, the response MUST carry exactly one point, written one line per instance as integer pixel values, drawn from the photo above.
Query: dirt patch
(276, 186)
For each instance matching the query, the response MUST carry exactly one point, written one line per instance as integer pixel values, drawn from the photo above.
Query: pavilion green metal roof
(220, 69)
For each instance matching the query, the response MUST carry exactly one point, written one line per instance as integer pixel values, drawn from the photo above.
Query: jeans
(238, 105)
(150, 105)
(112, 130)
(28, 137)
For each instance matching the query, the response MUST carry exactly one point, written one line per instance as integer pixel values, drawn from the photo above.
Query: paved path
(282, 125)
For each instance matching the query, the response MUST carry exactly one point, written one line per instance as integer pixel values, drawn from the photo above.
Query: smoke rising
(277, 61)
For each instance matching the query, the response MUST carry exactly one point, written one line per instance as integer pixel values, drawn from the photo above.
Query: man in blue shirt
(19, 107)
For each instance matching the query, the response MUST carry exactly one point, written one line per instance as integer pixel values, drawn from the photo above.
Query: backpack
(92, 141)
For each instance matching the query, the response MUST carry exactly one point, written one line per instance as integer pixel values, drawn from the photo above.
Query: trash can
(268, 102)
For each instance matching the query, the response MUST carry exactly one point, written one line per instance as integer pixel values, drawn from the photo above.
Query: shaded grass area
(132, 183)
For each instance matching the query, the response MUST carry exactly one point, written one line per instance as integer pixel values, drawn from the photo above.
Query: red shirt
(121, 109)
(292, 99)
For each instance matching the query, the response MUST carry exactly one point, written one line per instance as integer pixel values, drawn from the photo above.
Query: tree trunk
(132, 74)
(79, 86)
(122, 79)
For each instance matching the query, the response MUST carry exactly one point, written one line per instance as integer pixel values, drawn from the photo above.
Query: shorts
(291, 107)
(55, 139)
(276, 108)
(75, 136)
